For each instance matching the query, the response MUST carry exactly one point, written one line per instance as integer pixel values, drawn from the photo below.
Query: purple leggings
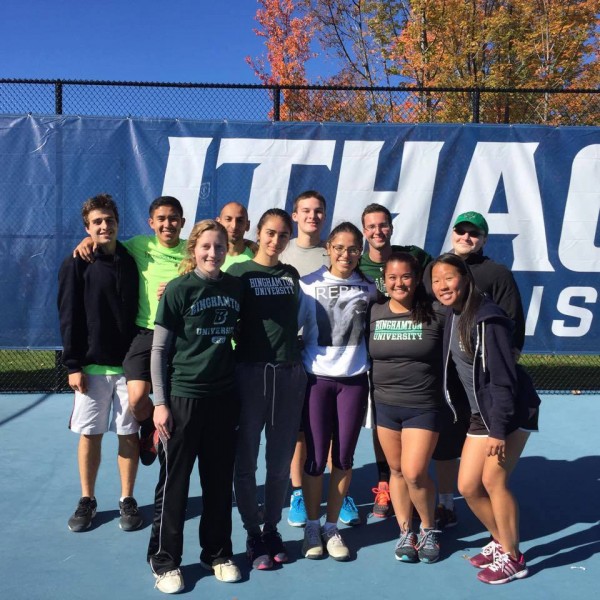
(334, 410)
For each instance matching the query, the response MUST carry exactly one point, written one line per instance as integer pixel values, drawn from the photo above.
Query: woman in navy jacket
(478, 341)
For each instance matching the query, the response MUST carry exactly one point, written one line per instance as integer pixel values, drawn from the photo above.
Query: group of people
(303, 341)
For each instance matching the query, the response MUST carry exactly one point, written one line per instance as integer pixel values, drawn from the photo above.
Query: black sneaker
(272, 540)
(148, 443)
(258, 553)
(81, 519)
(130, 517)
(445, 517)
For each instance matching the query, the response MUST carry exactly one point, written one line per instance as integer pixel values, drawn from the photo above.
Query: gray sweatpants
(271, 397)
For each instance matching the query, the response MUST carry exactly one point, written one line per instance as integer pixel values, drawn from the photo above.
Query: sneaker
(224, 569)
(130, 517)
(170, 582)
(428, 545)
(382, 507)
(272, 540)
(312, 546)
(349, 513)
(486, 557)
(258, 553)
(335, 545)
(297, 514)
(445, 517)
(81, 519)
(504, 569)
(406, 547)
(149, 439)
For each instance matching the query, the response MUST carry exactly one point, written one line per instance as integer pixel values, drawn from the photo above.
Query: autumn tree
(442, 43)
(287, 30)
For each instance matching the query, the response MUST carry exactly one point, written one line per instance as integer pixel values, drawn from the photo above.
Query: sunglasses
(472, 231)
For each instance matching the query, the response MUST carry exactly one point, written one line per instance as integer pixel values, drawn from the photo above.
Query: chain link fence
(27, 370)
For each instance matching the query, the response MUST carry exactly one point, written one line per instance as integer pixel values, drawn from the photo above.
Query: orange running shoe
(382, 507)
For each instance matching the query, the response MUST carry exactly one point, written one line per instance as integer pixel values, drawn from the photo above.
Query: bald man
(234, 217)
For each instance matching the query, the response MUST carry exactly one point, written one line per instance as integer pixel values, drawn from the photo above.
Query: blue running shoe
(349, 513)
(297, 514)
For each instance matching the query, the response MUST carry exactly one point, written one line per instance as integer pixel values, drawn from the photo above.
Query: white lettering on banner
(412, 199)
(580, 222)
(533, 313)
(183, 176)
(274, 160)
(585, 316)
(514, 163)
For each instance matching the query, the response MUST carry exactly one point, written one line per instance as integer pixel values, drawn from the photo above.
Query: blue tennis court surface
(557, 483)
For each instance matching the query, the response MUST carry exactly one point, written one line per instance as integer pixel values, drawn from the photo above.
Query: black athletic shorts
(398, 418)
(452, 435)
(137, 361)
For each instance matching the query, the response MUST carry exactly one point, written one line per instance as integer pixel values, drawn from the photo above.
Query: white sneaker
(335, 545)
(170, 582)
(312, 546)
(226, 571)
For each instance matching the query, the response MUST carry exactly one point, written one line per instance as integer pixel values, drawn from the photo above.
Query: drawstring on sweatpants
(274, 367)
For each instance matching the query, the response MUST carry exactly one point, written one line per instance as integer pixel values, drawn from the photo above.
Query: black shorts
(452, 435)
(398, 418)
(137, 361)
(477, 427)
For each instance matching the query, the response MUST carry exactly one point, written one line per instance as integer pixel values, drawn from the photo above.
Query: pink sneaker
(504, 569)
(486, 557)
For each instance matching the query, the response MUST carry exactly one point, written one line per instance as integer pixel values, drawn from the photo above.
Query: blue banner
(538, 187)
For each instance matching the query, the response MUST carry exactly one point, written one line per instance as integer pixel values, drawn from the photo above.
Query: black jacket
(97, 305)
(497, 282)
(503, 390)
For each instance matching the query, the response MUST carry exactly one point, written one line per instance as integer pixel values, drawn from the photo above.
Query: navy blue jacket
(97, 305)
(503, 390)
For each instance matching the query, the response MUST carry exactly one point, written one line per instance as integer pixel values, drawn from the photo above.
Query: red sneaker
(382, 507)
(504, 569)
(486, 557)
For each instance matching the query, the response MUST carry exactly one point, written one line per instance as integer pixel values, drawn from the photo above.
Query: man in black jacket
(97, 305)
(469, 236)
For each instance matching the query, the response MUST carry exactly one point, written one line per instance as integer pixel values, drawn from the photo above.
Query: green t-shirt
(156, 264)
(269, 318)
(246, 255)
(202, 313)
(374, 270)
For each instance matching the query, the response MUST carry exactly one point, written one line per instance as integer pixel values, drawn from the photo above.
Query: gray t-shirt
(463, 362)
(305, 260)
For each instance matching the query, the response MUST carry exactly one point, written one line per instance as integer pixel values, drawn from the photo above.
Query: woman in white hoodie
(333, 308)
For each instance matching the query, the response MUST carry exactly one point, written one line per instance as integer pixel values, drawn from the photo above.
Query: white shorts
(92, 413)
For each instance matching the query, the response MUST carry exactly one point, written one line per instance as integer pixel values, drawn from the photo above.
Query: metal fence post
(476, 97)
(58, 97)
(276, 103)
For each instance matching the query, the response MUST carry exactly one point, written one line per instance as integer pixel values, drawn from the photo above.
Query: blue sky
(134, 40)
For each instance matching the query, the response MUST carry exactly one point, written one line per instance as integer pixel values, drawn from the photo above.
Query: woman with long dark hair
(333, 309)
(405, 344)
(504, 407)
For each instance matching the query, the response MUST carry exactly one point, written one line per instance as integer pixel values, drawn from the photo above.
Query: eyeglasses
(460, 230)
(352, 250)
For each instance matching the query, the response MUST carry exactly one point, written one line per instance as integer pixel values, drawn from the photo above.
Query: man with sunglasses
(469, 236)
